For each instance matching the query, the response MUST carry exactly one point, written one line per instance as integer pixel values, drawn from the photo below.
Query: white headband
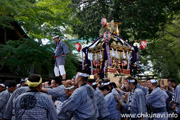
(2, 85)
(69, 88)
(56, 36)
(83, 74)
(131, 81)
(153, 81)
(18, 85)
(24, 80)
(105, 83)
(94, 83)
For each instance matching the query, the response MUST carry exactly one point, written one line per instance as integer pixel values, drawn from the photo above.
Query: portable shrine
(109, 55)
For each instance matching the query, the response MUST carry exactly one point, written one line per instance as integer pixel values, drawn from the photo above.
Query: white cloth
(59, 69)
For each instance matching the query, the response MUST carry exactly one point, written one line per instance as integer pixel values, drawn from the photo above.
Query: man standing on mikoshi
(60, 53)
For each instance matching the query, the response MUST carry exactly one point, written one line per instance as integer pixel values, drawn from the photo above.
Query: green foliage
(154, 20)
(40, 19)
(165, 50)
(141, 19)
(24, 54)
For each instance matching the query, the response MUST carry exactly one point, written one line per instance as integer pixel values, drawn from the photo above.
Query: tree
(164, 51)
(40, 19)
(26, 56)
(141, 19)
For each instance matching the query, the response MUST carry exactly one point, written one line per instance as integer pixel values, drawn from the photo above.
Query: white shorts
(59, 69)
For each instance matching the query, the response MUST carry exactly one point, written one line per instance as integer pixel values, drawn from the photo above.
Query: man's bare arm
(44, 90)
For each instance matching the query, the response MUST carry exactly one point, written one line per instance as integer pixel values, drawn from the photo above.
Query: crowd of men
(86, 97)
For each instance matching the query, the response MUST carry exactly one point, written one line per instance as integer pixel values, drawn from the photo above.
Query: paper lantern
(143, 44)
(103, 21)
(78, 46)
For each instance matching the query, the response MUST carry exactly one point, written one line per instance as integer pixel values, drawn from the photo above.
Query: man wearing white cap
(82, 102)
(60, 53)
(101, 103)
(146, 90)
(69, 90)
(9, 113)
(176, 101)
(135, 105)
(156, 100)
(58, 93)
(68, 115)
(5, 95)
(112, 103)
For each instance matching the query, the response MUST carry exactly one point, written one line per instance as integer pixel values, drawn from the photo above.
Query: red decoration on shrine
(95, 63)
(143, 44)
(124, 63)
(107, 36)
(78, 46)
(103, 21)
